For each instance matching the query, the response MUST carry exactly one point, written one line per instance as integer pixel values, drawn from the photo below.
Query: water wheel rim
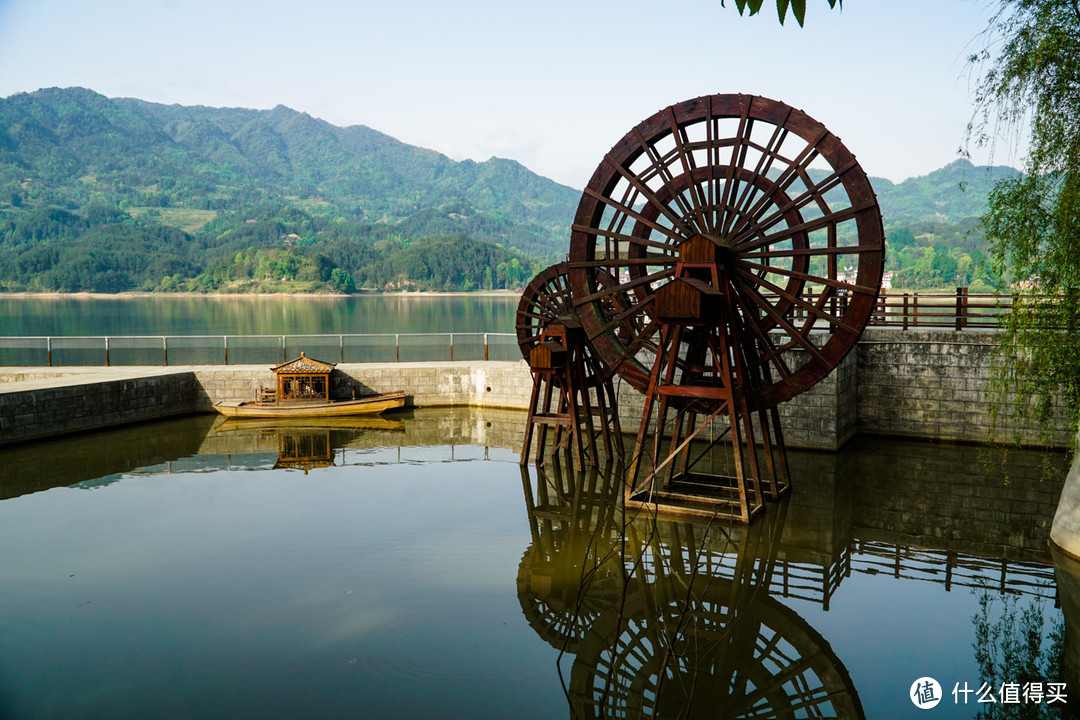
(721, 165)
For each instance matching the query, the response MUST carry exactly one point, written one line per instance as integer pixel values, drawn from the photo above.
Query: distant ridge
(121, 194)
(72, 146)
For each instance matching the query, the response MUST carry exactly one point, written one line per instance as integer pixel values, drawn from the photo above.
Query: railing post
(106, 351)
(283, 358)
(451, 347)
(915, 309)
(341, 346)
(397, 347)
(48, 349)
(225, 341)
(165, 349)
(961, 307)
(905, 321)
(485, 347)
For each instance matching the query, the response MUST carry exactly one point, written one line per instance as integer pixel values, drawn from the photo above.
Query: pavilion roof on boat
(303, 378)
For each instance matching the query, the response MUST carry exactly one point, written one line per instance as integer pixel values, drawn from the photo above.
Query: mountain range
(194, 187)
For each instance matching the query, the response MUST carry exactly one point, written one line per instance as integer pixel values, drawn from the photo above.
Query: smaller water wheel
(552, 341)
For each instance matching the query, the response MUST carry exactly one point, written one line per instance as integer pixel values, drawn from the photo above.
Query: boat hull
(371, 405)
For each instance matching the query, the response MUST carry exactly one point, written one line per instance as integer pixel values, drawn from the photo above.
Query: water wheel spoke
(813, 251)
(621, 317)
(643, 189)
(687, 161)
(815, 192)
(628, 212)
(751, 208)
(622, 262)
(644, 280)
(796, 300)
(772, 353)
(744, 244)
(831, 282)
(621, 237)
(641, 342)
(663, 171)
(768, 309)
(769, 153)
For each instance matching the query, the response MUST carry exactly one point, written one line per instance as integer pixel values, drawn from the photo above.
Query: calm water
(69, 319)
(271, 315)
(407, 567)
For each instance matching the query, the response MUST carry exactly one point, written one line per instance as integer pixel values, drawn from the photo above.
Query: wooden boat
(303, 391)
(368, 405)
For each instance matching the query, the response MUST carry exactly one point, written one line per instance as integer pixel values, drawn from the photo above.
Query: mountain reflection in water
(633, 615)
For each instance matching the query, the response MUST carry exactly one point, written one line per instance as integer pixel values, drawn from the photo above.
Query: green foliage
(798, 8)
(1029, 85)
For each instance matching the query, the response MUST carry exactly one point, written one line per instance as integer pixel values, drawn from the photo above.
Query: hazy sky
(553, 85)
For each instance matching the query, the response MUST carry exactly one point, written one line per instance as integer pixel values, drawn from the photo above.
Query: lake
(408, 567)
(196, 325)
(255, 315)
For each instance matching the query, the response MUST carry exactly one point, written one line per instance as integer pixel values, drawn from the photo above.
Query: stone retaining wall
(933, 384)
(923, 384)
(70, 403)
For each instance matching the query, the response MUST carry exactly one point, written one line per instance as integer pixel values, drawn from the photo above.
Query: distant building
(886, 281)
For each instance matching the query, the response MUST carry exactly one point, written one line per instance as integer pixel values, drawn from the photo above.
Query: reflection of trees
(1013, 645)
(669, 618)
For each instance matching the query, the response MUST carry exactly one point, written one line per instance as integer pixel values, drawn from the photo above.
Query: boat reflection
(302, 443)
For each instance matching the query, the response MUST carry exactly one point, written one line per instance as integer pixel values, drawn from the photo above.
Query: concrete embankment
(917, 384)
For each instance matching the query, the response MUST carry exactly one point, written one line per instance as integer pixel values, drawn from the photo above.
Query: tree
(1029, 89)
(798, 8)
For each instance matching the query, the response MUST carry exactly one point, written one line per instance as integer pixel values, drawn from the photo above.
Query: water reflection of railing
(953, 569)
(108, 350)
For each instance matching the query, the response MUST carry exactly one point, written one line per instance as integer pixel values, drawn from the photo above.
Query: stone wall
(499, 384)
(915, 383)
(933, 384)
(71, 403)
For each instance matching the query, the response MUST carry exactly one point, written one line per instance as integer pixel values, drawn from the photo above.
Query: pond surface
(407, 567)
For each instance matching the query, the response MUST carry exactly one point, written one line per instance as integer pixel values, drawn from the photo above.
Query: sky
(553, 85)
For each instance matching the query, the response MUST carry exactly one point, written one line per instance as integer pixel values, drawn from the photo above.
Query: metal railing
(961, 310)
(112, 350)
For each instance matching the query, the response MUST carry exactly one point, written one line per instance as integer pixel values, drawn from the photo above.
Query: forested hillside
(108, 195)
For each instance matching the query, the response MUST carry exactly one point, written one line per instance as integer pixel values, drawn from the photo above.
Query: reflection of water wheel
(553, 342)
(571, 573)
(764, 661)
(801, 250)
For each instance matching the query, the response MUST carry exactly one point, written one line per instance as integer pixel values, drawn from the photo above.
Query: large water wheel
(725, 256)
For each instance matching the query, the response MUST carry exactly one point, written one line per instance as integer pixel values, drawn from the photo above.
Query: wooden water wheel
(571, 385)
(759, 237)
